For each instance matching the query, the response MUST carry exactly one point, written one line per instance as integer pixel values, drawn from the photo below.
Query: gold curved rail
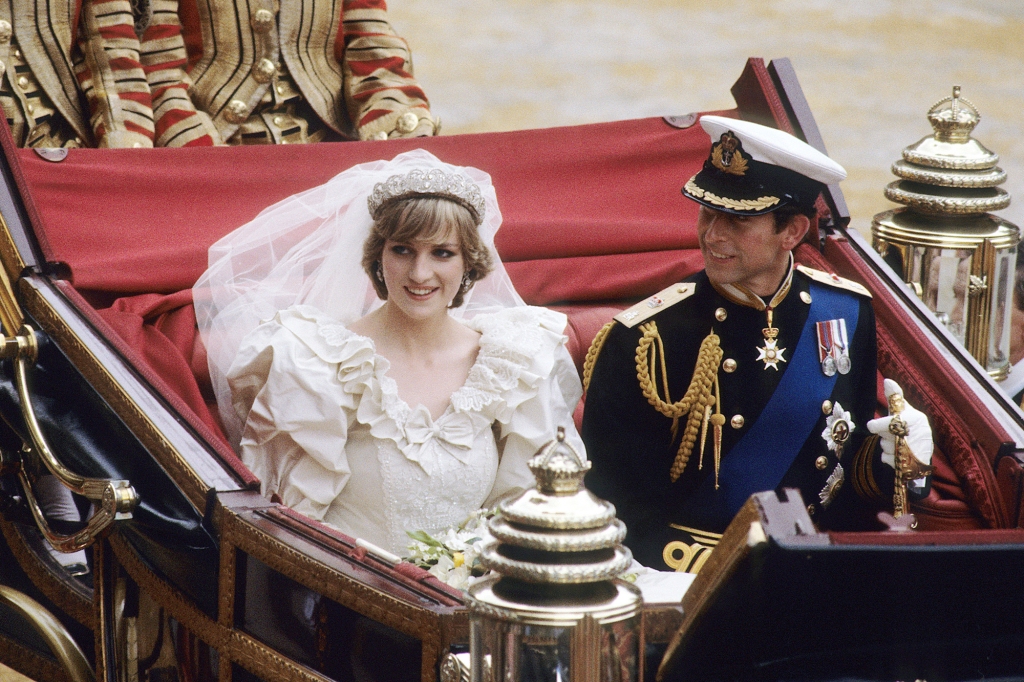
(113, 499)
(56, 636)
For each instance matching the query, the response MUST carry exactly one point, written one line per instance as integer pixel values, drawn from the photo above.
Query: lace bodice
(326, 429)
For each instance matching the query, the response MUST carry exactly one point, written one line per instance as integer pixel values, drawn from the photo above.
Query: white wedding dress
(326, 430)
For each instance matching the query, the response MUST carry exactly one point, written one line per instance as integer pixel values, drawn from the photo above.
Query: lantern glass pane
(1001, 310)
(944, 278)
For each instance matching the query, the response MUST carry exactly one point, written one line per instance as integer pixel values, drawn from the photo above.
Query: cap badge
(727, 155)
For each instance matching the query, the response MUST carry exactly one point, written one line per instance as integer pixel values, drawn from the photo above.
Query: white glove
(919, 432)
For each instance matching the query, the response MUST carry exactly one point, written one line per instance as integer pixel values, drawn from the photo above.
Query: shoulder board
(834, 280)
(666, 298)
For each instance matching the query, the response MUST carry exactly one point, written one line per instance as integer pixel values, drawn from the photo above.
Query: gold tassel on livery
(700, 398)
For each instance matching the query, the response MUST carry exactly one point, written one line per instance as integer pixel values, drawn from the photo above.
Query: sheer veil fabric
(307, 249)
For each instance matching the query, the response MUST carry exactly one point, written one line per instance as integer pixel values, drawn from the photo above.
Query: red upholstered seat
(593, 220)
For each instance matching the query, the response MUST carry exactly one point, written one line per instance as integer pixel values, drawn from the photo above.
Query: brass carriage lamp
(554, 610)
(959, 258)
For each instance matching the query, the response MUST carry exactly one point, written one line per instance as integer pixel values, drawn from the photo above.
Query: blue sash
(763, 456)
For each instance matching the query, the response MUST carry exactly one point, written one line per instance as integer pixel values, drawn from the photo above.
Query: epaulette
(834, 280)
(630, 317)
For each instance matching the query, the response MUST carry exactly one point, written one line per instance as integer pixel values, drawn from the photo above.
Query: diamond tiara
(434, 182)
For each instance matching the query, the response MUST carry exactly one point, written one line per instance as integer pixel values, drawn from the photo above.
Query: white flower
(459, 577)
(452, 556)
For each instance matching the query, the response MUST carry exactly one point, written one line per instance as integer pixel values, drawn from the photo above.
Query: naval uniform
(771, 431)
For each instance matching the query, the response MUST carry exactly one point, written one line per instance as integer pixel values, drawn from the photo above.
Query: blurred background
(870, 68)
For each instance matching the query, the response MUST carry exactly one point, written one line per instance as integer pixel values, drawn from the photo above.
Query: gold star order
(771, 355)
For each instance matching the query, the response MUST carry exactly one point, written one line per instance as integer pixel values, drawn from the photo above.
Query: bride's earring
(466, 283)
(380, 272)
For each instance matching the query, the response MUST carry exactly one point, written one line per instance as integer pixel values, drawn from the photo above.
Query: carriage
(193, 575)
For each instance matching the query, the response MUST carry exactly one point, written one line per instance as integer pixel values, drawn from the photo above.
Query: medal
(843, 364)
(832, 486)
(833, 348)
(828, 366)
(770, 353)
(842, 347)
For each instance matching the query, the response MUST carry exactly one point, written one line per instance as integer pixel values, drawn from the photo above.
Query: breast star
(771, 354)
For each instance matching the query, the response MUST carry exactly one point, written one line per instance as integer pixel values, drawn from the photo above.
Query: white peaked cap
(772, 146)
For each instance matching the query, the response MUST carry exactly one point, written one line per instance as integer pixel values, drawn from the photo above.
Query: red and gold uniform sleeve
(383, 98)
(111, 75)
(177, 123)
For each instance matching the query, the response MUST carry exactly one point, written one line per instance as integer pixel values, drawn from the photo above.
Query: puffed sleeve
(542, 398)
(297, 392)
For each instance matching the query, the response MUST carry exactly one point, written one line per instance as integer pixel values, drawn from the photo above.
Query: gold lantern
(554, 610)
(958, 257)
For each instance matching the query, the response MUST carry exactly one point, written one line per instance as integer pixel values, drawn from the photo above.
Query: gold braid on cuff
(650, 361)
(863, 478)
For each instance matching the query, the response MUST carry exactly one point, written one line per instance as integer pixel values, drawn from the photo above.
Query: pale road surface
(869, 68)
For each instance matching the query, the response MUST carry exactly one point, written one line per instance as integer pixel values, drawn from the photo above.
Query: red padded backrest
(141, 221)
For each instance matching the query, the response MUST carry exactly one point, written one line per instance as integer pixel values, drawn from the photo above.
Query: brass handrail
(53, 632)
(114, 499)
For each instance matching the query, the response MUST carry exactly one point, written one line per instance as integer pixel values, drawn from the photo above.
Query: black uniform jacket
(632, 446)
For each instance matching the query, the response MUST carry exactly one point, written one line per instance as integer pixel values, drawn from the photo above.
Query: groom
(754, 374)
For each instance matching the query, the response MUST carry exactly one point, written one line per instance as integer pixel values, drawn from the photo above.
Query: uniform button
(17, 52)
(137, 145)
(805, 297)
(826, 407)
(30, 107)
(810, 509)
(22, 82)
(737, 421)
(279, 121)
(280, 88)
(380, 135)
(407, 123)
(729, 365)
(720, 314)
(263, 71)
(236, 111)
(3, 68)
(262, 20)
(5, 31)
(821, 463)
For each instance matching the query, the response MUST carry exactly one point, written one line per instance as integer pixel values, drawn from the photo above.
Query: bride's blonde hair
(424, 218)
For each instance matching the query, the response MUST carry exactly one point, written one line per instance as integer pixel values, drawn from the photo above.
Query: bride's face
(423, 276)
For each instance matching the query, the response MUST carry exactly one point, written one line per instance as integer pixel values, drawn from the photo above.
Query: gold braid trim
(595, 349)
(698, 394)
(863, 478)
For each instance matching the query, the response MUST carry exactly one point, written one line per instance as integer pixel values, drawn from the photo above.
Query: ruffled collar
(509, 343)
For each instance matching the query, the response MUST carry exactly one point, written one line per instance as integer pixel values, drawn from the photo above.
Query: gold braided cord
(595, 349)
(698, 395)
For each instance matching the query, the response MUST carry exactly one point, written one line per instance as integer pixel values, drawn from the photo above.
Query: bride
(372, 361)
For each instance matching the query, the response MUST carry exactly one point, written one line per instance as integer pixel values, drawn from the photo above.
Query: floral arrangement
(453, 557)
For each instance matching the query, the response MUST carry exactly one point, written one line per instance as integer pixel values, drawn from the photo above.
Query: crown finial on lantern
(559, 469)
(956, 121)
